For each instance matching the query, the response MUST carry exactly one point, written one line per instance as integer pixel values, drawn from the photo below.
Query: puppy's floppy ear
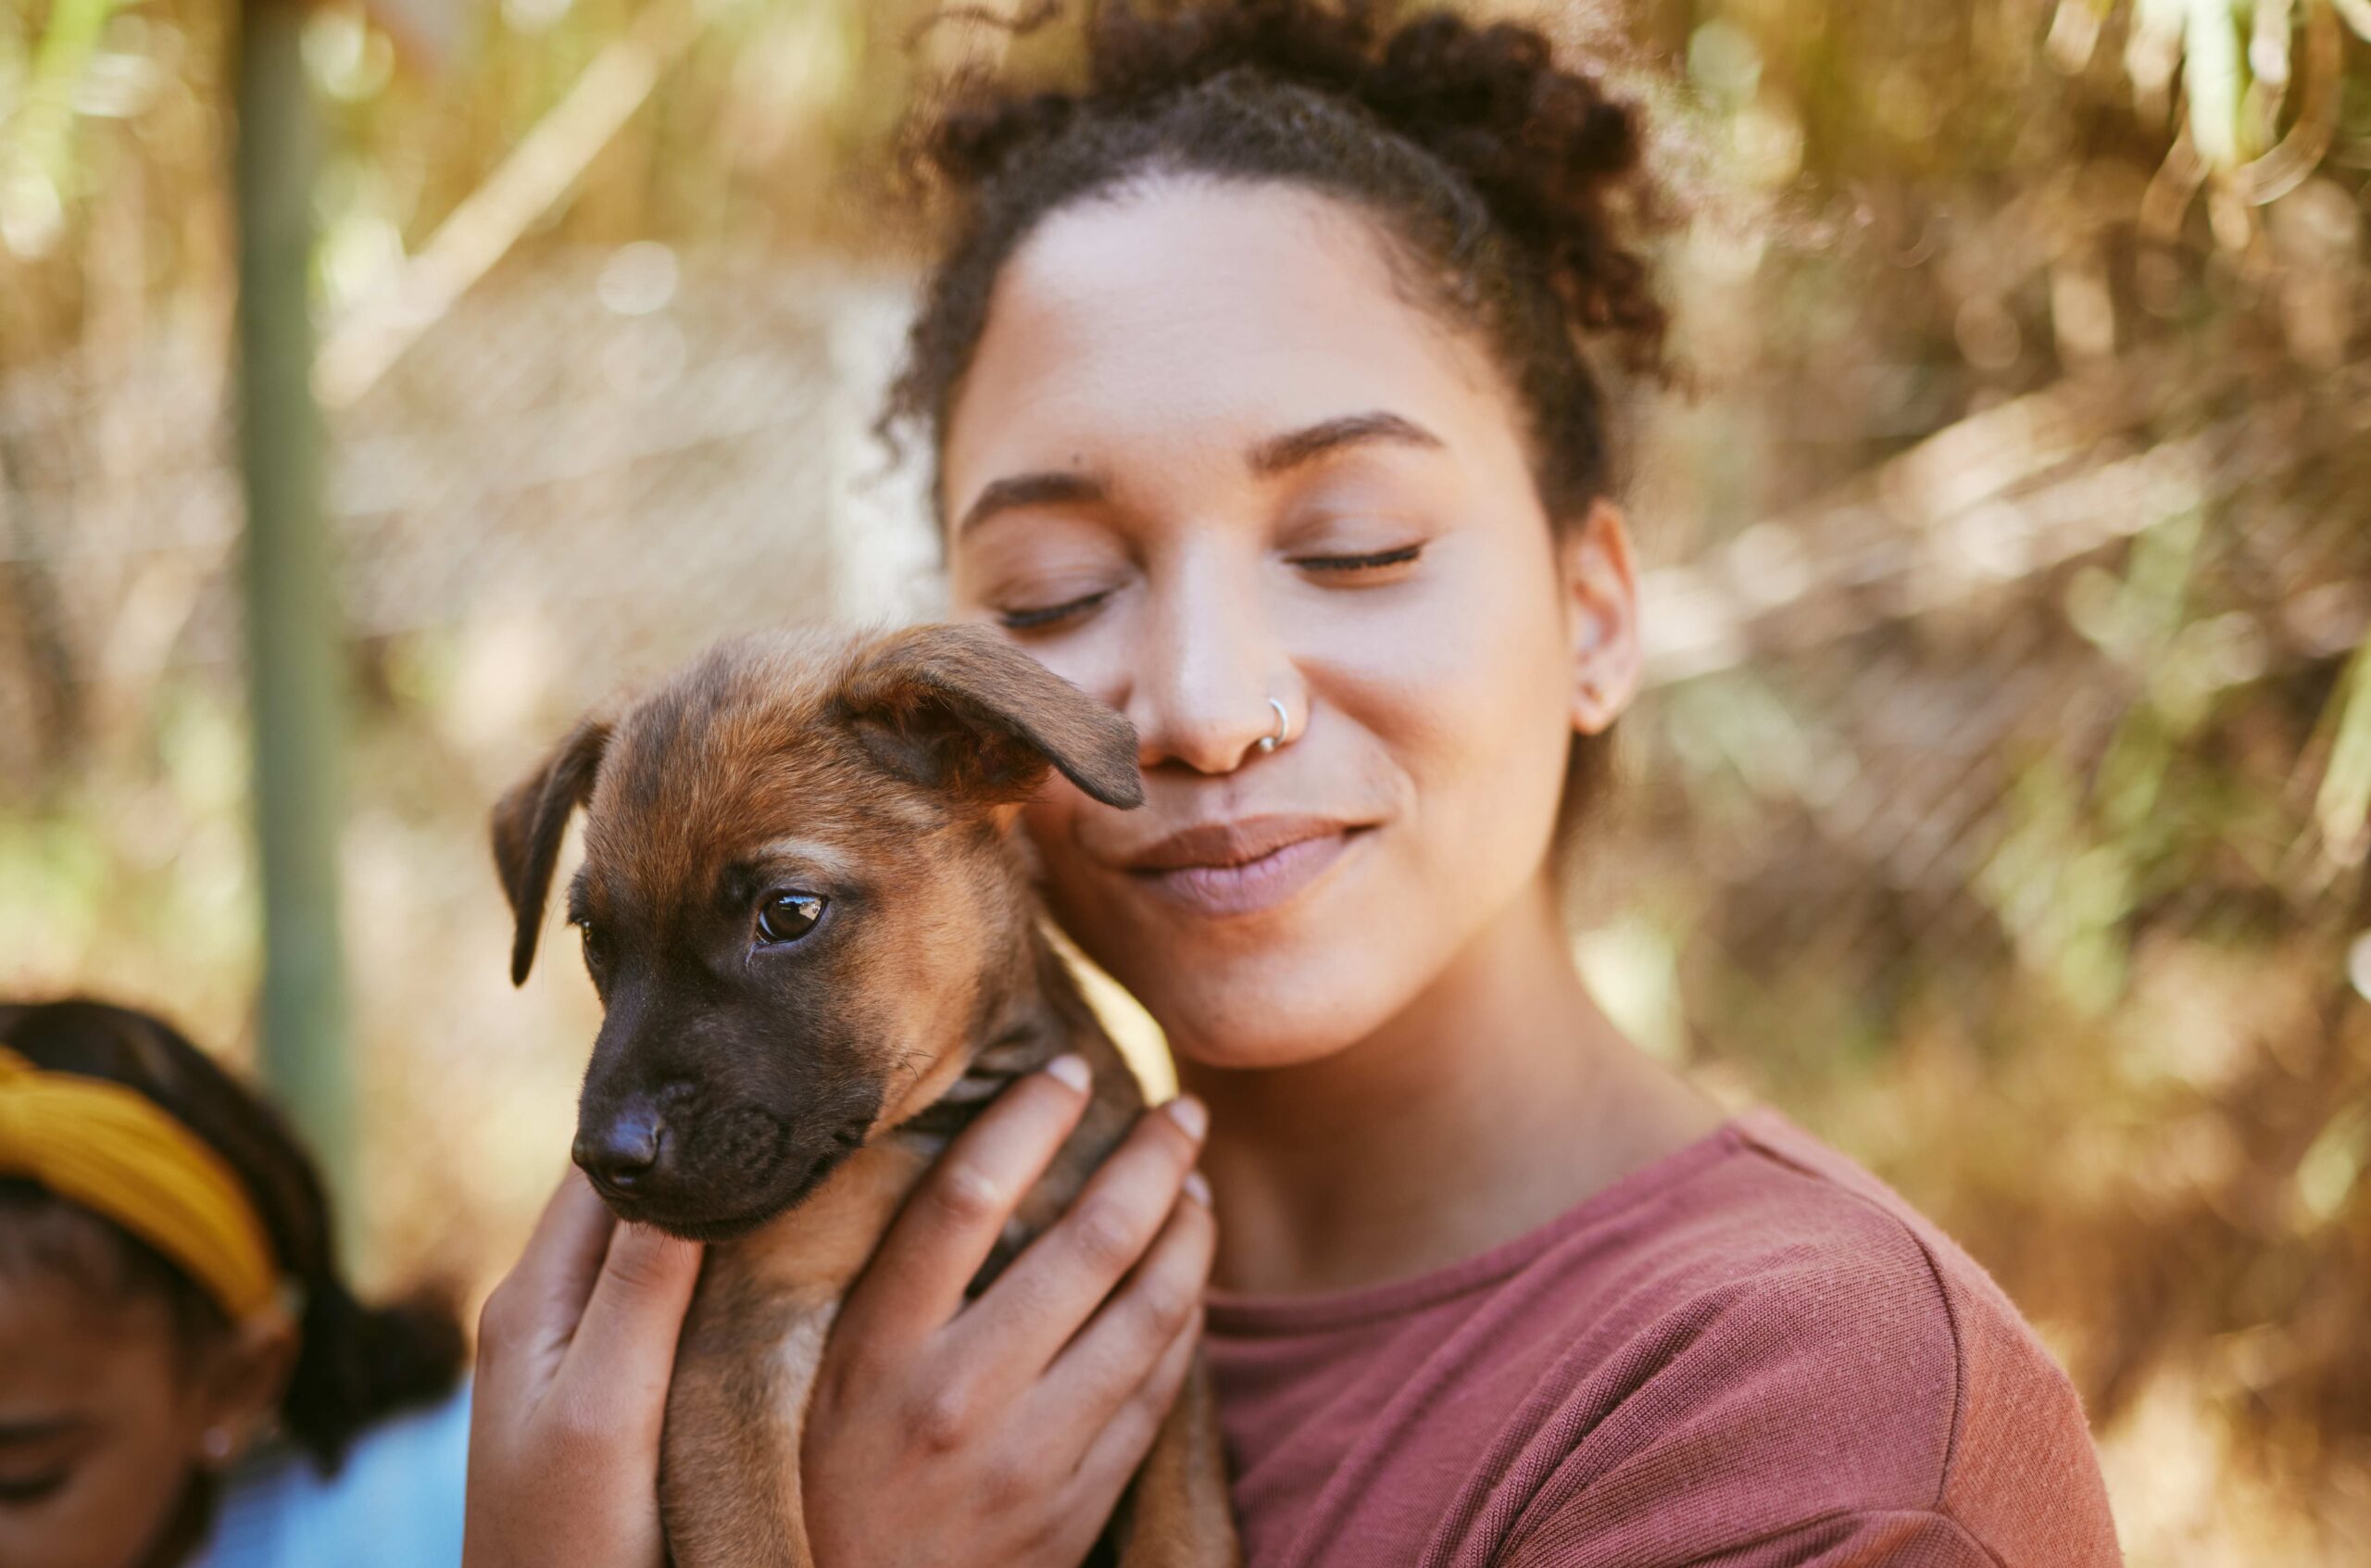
(529, 823)
(958, 708)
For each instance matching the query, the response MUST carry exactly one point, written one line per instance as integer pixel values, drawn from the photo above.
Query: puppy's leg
(1175, 1513)
(728, 1475)
(728, 1463)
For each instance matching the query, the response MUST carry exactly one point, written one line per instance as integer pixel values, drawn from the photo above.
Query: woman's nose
(1205, 673)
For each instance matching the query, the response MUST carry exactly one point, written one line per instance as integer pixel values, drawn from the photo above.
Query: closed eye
(1369, 562)
(1024, 619)
(32, 1488)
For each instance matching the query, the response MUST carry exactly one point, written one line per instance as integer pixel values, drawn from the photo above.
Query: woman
(184, 1377)
(1253, 377)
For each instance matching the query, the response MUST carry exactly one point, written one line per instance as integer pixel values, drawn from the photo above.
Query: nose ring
(1270, 743)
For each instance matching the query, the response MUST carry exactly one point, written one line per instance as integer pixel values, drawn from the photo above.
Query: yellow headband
(119, 1154)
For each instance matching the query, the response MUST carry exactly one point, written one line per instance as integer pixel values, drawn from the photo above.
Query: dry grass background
(1998, 808)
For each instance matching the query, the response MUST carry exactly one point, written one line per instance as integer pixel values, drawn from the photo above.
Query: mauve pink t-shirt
(1750, 1353)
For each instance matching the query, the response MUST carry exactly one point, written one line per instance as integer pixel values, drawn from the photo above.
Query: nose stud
(1270, 741)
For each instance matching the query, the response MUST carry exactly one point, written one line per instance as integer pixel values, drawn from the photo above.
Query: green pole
(293, 648)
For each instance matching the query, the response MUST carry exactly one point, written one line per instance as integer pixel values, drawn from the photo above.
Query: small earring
(214, 1443)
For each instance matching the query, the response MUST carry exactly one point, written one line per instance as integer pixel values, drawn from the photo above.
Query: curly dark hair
(356, 1364)
(1510, 183)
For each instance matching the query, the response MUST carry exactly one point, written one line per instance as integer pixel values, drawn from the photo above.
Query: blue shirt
(396, 1503)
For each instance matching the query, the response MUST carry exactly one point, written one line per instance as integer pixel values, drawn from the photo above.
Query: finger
(1060, 1279)
(915, 1282)
(1119, 1449)
(624, 1349)
(539, 1302)
(1111, 1358)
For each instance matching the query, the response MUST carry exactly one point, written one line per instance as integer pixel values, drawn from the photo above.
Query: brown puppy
(818, 954)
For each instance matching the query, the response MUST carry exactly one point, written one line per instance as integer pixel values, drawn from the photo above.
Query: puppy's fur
(788, 1093)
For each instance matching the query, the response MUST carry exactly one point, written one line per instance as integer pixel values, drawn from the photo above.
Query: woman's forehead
(63, 1345)
(1191, 319)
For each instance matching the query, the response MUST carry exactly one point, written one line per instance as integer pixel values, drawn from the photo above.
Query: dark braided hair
(1506, 181)
(356, 1365)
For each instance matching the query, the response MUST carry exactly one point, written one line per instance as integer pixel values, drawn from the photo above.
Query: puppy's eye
(596, 944)
(786, 917)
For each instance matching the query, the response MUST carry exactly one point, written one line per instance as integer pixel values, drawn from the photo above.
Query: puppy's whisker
(913, 1064)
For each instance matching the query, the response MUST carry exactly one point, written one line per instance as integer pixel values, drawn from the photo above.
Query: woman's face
(99, 1426)
(1209, 453)
(107, 1415)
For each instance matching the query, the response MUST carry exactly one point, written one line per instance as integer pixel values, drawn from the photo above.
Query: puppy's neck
(1041, 1015)
(1031, 1012)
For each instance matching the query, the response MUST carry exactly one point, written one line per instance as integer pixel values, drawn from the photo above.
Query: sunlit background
(1998, 808)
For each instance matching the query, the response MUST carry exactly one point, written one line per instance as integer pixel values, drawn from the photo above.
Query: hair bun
(1555, 160)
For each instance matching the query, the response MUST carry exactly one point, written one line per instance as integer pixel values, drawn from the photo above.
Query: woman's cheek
(1047, 822)
(1076, 891)
(122, 1504)
(1465, 671)
(1094, 653)
(1482, 727)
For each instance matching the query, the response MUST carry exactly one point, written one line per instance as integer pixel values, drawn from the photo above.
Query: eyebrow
(748, 876)
(826, 858)
(579, 894)
(1050, 488)
(1275, 455)
(1293, 448)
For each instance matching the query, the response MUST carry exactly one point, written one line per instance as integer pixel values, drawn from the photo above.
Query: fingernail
(1188, 1113)
(1198, 1188)
(1071, 1068)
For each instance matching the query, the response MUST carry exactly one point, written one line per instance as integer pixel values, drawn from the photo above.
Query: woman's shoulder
(1799, 1340)
(396, 1500)
(1813, 1239)
(2017, 1469)
(1807, 1255)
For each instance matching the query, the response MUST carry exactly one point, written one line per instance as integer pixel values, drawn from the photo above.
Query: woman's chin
(1250, 1013)
(1218, 1051)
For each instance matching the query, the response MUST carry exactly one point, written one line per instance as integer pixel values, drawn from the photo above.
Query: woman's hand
(574, 1349)
(1002, 1433)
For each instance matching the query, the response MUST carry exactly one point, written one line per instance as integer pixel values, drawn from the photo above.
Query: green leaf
(2342, 808)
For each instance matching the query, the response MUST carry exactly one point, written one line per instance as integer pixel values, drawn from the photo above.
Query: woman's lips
(1242, 869)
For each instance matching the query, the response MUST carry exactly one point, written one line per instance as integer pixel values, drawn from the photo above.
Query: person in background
(185, 1379)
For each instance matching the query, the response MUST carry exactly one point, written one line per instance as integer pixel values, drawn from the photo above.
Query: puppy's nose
(621, 1153)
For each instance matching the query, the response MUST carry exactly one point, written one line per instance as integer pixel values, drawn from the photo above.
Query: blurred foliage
(2011, 748)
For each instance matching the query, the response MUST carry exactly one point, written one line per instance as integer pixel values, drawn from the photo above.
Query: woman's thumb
(636, 1312)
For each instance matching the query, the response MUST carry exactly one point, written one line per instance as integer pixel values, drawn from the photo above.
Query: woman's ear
(241, 1383)
(1600, 594)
